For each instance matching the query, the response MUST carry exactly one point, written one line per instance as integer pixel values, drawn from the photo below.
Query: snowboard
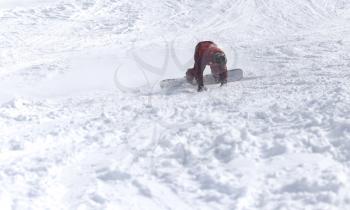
(232, 75)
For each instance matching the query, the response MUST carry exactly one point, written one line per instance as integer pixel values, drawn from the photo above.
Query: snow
(84, 124)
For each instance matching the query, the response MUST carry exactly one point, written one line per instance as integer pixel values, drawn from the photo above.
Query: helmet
(219, 58)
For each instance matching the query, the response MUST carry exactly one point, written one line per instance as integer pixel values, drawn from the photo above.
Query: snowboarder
(208, 53)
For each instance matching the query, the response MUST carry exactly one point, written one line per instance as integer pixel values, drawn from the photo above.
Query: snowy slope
(84, 125)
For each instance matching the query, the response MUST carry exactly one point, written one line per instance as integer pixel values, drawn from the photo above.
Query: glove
(201, 88)
(224, 82)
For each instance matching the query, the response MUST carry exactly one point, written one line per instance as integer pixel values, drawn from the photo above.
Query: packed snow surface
(84, 124)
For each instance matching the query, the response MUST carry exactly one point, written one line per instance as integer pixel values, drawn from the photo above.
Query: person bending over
(208, 53)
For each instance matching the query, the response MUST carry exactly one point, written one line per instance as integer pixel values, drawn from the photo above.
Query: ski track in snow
(278, 139)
